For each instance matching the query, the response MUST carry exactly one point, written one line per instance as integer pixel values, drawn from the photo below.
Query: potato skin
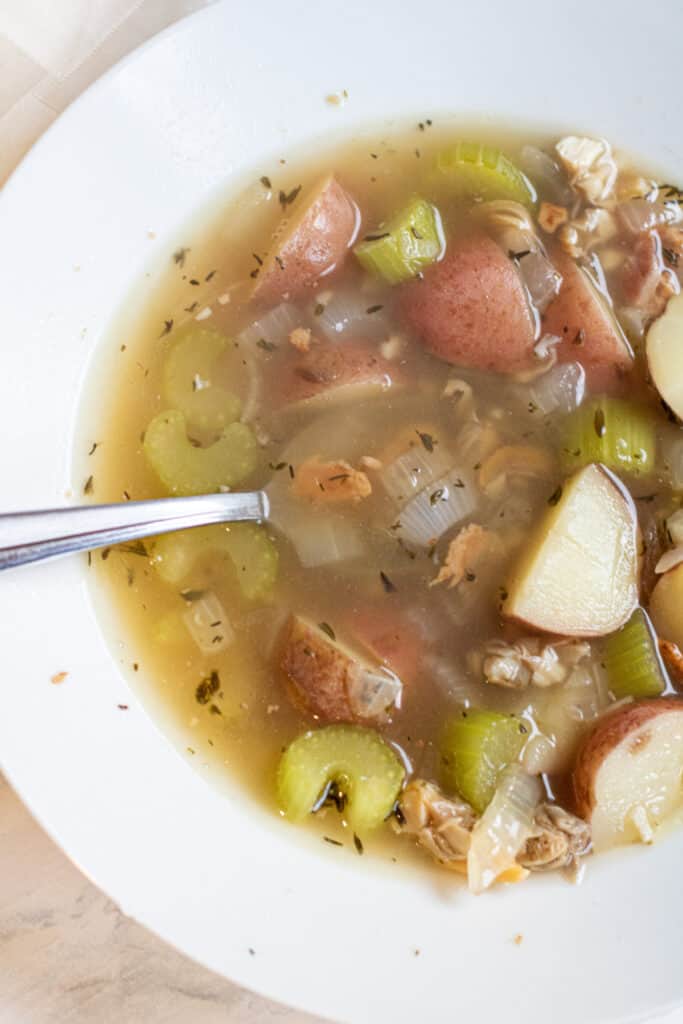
(609, 732)
(311, 242)
(471, 308)
(327, 366)
(319, 675)
(390, 638)
(589, 336)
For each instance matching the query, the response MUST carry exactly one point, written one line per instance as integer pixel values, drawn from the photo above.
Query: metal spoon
(32, 536)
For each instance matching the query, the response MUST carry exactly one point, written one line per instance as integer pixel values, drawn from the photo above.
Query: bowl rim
(172, 98)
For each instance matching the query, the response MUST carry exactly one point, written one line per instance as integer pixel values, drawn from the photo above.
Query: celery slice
(632, 662)
(365, 768)
(475, 748)
(472, 169)
(408, 243)
(248, 546)
(614, 431)
(187, 381)
(184, 469)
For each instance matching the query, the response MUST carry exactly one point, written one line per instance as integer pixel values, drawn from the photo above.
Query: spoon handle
(32, 536)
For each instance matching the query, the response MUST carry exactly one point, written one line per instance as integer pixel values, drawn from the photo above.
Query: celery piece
(632, 662)
(248, 546)
(408, 243)
(187, 381)
(185, 469)
(472, 169)
(365, 768)
(475, 747)
(614, 431)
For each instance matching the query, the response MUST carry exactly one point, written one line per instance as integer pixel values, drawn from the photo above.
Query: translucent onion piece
(504, 827)
(561, 714)
(639, 215)
(674, 525)
(561, 389)
(374, 693)
(274, 327)
(542, 281)
(321, 540)
(431, 513)
(516, 235)
(415, 469)
(547, 175)
(669, 560)
(208, 624)
(346, 313)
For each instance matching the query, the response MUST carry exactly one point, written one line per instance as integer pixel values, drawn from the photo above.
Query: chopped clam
(559, 839)
(590, 166)
(465, 551)
(442, 825)
(530, 661)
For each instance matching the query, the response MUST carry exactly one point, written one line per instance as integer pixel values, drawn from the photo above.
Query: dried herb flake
(428, 441)
(286, 198)
(210, 685)
(389, 587)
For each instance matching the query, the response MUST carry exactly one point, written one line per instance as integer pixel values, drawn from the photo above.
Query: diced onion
(547, 175)
(373, 694)
(540, 277)
(274, 327)
(322, 540)
(674, 525)
(639, 215)
(540, 755)
(208, 624)
(415, 469)
(431, 513)
(561, 389)
(514, 231)
(669, 560)
(561, 713)
(504, 827)
(346, 313)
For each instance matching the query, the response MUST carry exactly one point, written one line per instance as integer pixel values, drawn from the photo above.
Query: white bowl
(215, 875)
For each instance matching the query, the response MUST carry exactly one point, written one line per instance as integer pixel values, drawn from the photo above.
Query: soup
(456, 368)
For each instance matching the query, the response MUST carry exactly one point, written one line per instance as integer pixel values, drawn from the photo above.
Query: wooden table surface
(67, 953)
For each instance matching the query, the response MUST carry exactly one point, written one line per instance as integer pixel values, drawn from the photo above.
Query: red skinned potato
(591, 335)
(330, 373)
(471, 309)
(627, 777)
(311, 241)
(329, 680)
(390, 638)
